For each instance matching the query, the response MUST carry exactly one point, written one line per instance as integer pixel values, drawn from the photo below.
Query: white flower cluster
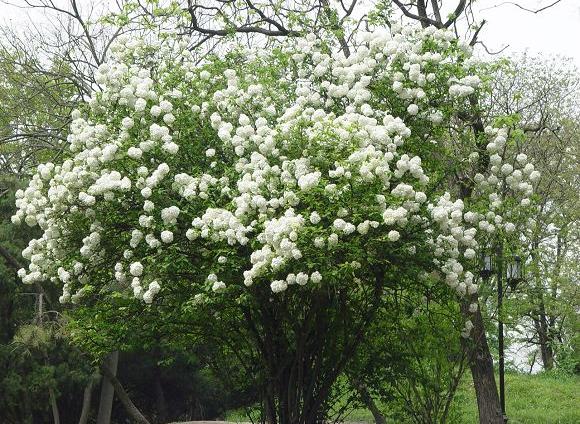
(279, 245)
(463, 87)
(287, 177)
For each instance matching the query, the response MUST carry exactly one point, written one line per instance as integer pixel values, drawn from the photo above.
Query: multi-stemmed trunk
(303, 358)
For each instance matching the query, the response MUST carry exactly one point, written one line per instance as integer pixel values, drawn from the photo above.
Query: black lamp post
(500, 332)
(514, 275)
(515, 272)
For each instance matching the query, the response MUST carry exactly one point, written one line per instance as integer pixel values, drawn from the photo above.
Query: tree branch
(530, 10)
(123, 396)
(10, 260)
(422, 19)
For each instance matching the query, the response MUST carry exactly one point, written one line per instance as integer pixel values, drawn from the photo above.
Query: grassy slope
(530, 399)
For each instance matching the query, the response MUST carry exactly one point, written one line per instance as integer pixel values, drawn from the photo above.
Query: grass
(530, 399)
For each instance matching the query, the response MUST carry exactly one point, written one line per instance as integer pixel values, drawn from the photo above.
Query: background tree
(543, 94)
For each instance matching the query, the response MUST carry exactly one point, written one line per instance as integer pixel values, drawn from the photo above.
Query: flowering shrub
(172, 158)
(295, 169)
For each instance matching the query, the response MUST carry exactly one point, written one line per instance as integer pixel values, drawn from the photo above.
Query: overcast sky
(553, 31)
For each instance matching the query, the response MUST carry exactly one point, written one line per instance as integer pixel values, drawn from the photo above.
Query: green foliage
(37, 96)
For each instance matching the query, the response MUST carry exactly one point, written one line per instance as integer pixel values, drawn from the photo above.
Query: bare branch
(476, 33)
(423, 19)
(436, 11)
(535, 11)
(489, 51)
(280, 30)
(456, 13)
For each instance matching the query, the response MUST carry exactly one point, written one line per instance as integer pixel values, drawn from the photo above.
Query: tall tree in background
(544, 96)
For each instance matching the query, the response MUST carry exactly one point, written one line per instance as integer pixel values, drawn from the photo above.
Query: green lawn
(530, 399)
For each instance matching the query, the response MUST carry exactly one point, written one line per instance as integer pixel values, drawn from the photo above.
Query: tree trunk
(541, 324)
(54, 406)
(87, 398)
(369, 402)
(27, 408)
(269, 406)
(107, 389)
(160, 396)
(544, 340)
(481, 365)
(130, 407)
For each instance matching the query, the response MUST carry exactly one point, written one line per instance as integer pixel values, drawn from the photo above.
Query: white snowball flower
(308, 181)
(278, 145)
(394, 235)
(278, 286)
(140, 105)
(136, 269)
(413, 109)
(134, 152)
(316, 277)
(127, 123)
(218, 286)
(469, 253)
(314, 218)
(147, 296)
(166, 236)
(169, 215)
(301, 278)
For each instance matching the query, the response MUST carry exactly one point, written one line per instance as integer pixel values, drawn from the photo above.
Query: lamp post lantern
(515, 272)
(486, 265)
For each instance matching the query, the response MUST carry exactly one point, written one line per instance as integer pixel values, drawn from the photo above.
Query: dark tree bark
(539, 316)
(300, 370)
(481, 366)
(160, 396)
(123, 396)
(543, 329)
(478, 354)
(27, 406)
(11, 261)
(107, 390)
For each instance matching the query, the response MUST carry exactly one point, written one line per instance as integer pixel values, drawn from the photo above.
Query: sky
(555, 31)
